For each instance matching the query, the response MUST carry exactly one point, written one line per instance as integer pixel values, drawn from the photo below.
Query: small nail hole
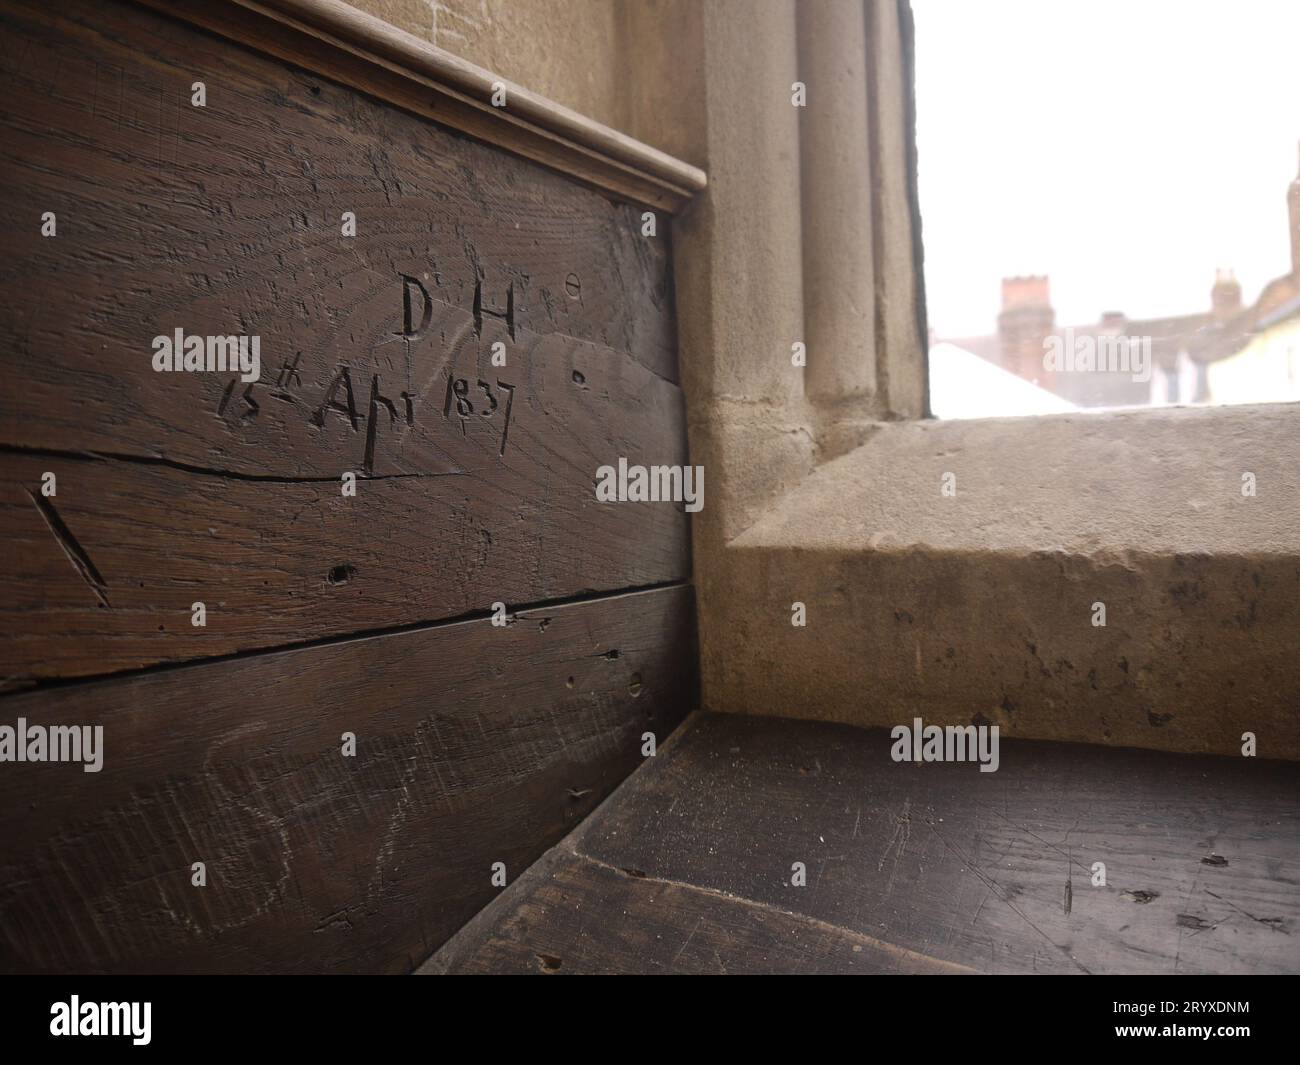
(341, 573)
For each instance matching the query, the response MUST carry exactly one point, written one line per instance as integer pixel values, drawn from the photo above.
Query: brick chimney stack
(1027, 319)
(1225, 296)
(1293, 211)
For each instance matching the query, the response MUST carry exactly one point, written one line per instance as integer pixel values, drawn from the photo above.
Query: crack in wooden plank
(211, 471)
(42, 683)
(862, 939)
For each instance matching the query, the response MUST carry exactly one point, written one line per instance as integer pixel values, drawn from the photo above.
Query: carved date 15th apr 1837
(466, 401)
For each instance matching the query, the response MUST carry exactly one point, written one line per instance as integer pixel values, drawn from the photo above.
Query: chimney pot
(1032, 290)
(1225, 296)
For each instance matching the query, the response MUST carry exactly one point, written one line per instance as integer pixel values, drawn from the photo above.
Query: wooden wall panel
(278, 560)
(326, 613)
(175, 488)
(233, 209)
(475, 744)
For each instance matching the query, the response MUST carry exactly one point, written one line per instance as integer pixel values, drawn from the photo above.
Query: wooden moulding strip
(335, 40)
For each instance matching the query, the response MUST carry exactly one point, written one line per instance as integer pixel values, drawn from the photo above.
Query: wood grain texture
(279, 561)
(230, 213)
(475, 744)
(355, 48)
(1202, 860)
(569, 914)
(175, 488)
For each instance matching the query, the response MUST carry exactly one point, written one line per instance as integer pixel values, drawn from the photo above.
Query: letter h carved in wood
(481, 309)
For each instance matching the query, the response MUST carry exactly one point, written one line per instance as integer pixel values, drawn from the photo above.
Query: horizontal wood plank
(349, 45)
(102, 576)
(474, 744)
(990, 872)
(379, 359)
(568, 914)
(227, 219)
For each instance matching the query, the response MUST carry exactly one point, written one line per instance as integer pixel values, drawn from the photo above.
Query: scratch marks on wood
(1274, 924)
(1068, 901)
(902, 834)
(680, 820)
(687, 943)
(316, 861)
(1006, 897)
(77, 554)
(755, 937)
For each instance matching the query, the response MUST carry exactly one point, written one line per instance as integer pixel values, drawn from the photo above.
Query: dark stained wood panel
(283, 561)
(991, 872)
(569, 914)
(354, 48)
(231, 212)
(492, 335)
(475, 479)
(475, 744)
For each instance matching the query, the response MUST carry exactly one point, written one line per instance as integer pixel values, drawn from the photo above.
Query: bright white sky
(1126, 148)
